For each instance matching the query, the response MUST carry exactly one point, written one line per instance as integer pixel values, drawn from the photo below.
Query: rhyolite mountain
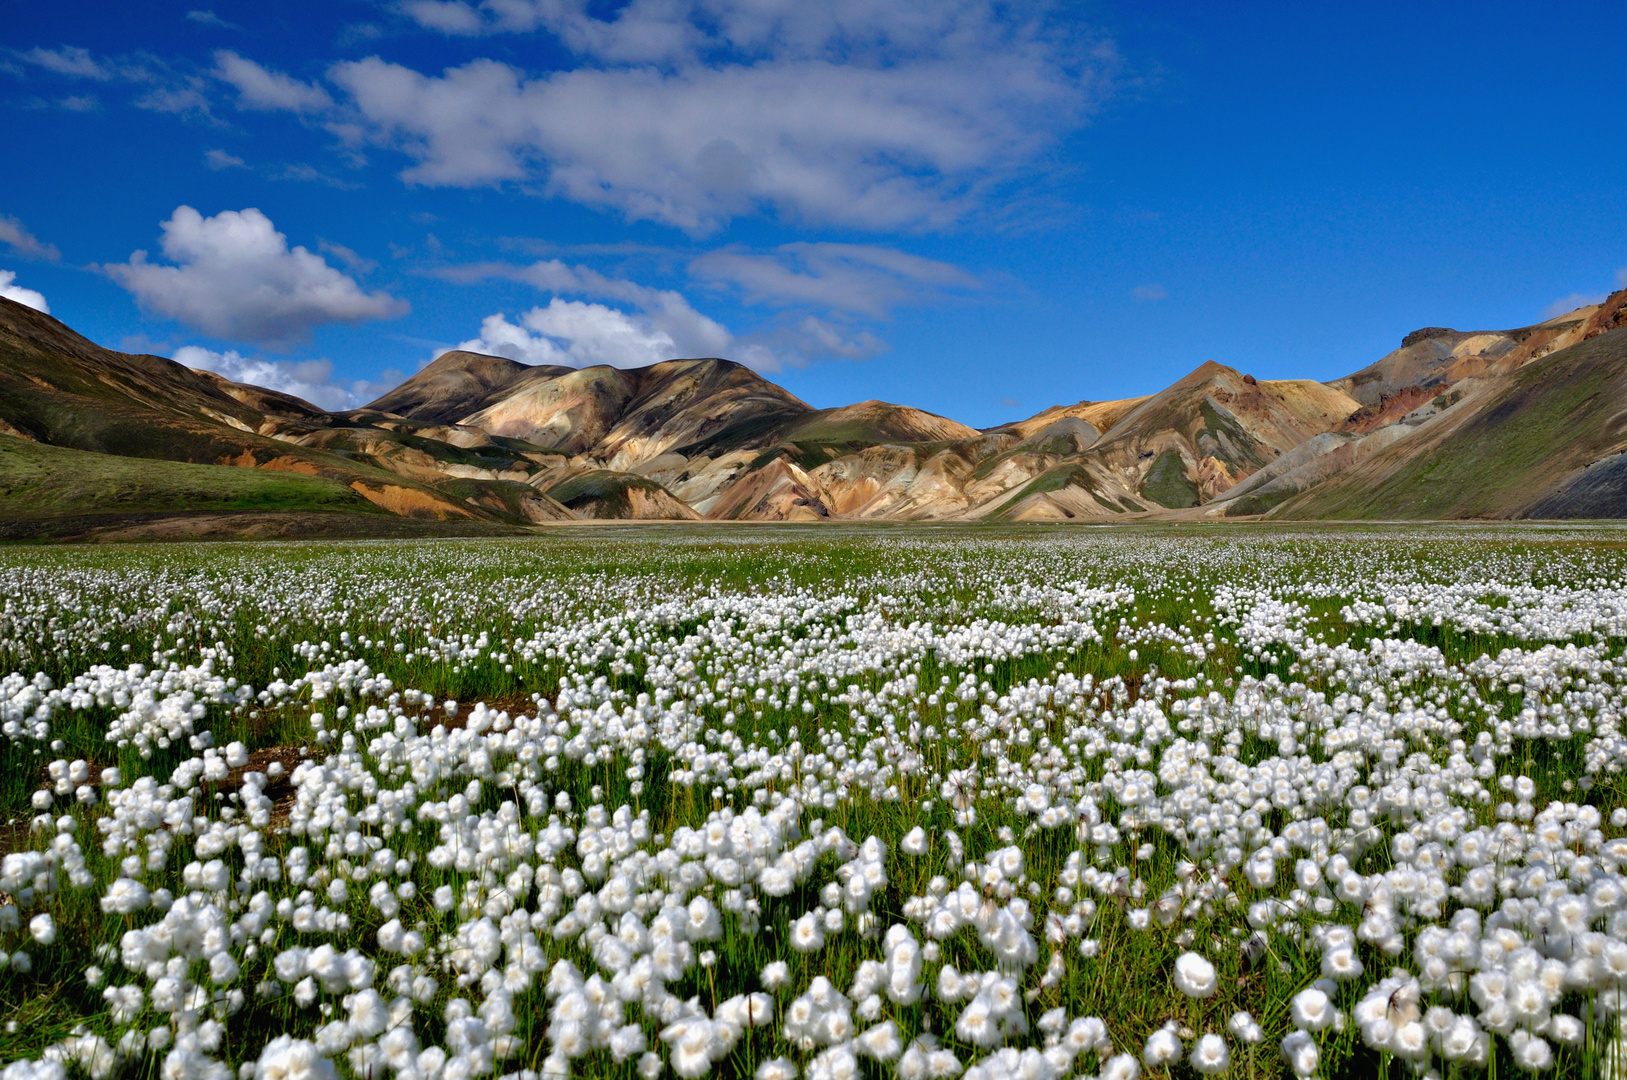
(1506, 424)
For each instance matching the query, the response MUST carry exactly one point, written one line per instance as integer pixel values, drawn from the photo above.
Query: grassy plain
(492, 621)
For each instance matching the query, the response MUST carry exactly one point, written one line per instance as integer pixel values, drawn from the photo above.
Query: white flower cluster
(928, 819)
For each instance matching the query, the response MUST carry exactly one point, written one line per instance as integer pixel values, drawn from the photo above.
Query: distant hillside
(1545, 440)
(1454, 424)
(1529, 422)
(58, 389)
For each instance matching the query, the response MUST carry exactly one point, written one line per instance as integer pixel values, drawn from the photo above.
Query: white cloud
(843, 277)
(576, 333)
(24, 242)
(209, 18)
(691, 113)
(798, 342)
(1152, 291)
(26, 297)
(1567, 304)
(820, 337)
(663, 324)
(446, 16)
(874, 148)
(356, 262)
(677, 31)
(236, 278)
(220, 159)
(264, 90)
(311, 380)
(665, 312)
(310, 174)
(182, 97)
(68, 60)
(166, 89)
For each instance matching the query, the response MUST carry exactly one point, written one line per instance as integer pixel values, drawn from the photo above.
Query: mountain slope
(606, 494)
(1520, 448)
(454, 385)
(871, 423)
(1406, 420)
(1526, 422)
(1200, 436)
(1436, 358)
(619, 417)
(42, 481)
(58, 389)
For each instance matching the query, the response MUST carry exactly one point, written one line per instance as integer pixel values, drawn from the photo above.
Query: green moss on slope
(1167, 484)
(40, 481)
(1055, 480)
(604, 491)
(1557, 415)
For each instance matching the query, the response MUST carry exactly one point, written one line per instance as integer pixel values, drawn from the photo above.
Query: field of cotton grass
(821, 803)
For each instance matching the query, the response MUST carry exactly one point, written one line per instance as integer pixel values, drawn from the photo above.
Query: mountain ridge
(1502, 423)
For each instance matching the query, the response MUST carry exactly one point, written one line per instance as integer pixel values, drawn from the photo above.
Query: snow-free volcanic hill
(1525, 422)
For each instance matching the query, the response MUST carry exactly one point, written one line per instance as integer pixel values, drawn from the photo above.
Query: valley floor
(818, 801)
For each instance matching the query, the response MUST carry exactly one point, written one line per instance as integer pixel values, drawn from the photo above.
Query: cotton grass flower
(1311, 1010)
(784, 708)
(778, 1068)
(286, 1058)
(1210, 1056)
(1121, 1067)
(1163, 1047)
(1195, 976)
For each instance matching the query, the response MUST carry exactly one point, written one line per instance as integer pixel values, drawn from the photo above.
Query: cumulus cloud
(26, 297)
(311, 380)
(693, 113)
(665, 314)
(261, 89)
(842, 277)
(24, 243)
(661, 325)
(235, 277)
(576, 333)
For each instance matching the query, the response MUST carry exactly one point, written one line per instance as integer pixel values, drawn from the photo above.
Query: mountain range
(1525, 423)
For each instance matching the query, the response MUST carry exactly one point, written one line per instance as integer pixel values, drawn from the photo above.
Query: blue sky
(981, 209)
